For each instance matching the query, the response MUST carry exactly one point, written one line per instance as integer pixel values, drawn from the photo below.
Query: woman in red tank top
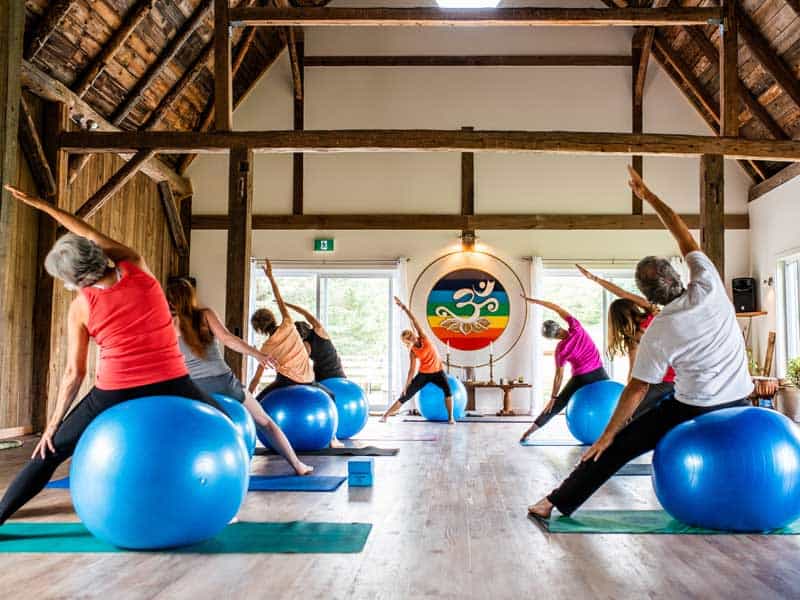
(629, 316)
(122, 307)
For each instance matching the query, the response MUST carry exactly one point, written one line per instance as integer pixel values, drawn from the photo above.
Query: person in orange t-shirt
(425, 367)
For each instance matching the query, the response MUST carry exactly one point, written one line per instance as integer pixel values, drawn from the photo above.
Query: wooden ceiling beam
(166, 56)
(511, 60)
(460, 222)
(173, 219)
(131, 21)
(50, 89)
(294, 39)
(114, 184)
(768, 58)
(496, 17)
(728, 76)
(778, 179)
(426, 140)
(34, 151)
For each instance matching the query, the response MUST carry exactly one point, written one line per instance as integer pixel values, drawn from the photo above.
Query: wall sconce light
(769, 281)
(468, 239)
(83, 122)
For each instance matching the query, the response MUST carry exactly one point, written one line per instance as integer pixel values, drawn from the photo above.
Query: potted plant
(788, 396)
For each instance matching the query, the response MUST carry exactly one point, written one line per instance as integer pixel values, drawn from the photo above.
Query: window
(790, 272)
(588, 303)
(355, 307)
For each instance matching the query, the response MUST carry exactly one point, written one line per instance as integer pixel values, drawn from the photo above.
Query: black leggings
(35, 475)
(639, 436)
(575, 383)
(439, 379)
(281, 381)
(656, 394)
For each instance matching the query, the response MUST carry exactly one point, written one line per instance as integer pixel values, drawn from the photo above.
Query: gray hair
(550, 329)
(658, 281)
(77, 261)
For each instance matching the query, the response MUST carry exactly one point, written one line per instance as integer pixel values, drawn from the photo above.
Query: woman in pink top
(578, 349)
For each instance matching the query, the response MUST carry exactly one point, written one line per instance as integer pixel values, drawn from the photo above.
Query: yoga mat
(487, 419)
(296, 537)
(636, 521)
(365, 451)
(398, 438)
(635, 470)
(9, 444)
(541, 442)
(266, 483)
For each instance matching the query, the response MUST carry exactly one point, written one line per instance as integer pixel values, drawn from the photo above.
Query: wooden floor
(449, 522)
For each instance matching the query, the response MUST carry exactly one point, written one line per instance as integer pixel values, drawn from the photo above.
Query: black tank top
(326, 359)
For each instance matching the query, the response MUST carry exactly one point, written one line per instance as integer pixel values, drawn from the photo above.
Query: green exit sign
(323, 245)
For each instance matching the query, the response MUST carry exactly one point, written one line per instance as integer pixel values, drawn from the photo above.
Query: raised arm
(554, 307)
(312, 320)
(616, 290)
(414, 323)
(113, 249)
(675, 225)
(276, 291)
(232, 341)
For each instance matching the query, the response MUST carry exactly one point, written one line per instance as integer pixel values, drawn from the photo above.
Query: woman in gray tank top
(198, 330)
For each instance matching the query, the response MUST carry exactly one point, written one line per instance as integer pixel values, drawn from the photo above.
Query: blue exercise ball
(430, 400)
(351, 406)
(306, 414)
(242, 420)
(158, 472)
(735, 469)
(590, 409)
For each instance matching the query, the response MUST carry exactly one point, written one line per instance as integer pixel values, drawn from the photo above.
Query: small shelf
(750, 315)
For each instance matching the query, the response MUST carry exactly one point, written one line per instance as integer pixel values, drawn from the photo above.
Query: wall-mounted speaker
(744, 294)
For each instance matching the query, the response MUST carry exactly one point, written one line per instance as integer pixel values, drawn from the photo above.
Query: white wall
(773, 233)
(545, 98)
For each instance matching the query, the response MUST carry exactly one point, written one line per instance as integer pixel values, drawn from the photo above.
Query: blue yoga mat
(266, 483)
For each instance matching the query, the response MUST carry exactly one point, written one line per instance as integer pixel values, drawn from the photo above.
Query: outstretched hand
(267, 267)
(399, 303)
(586, 273)
(637, 184)
(24, 197)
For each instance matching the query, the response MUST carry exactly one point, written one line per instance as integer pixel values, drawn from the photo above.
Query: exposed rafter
(430, 140)
(114, 184)
(495, 17)
(50, 22)
(35, 153)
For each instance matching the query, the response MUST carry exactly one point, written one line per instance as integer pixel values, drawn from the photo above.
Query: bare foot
(543, 509)
(303, 469)
(233, 521)
(452, 421)
(336, 443)
(382, 419)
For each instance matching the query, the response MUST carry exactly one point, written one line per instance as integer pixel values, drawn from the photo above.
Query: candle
(491, 348)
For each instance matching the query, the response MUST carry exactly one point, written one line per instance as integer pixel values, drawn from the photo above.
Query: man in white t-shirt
(695, 333)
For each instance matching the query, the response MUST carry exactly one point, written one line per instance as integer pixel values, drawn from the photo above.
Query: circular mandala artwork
(468, 309)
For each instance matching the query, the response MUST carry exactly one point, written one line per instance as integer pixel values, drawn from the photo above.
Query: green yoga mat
(636, 521)
(296, 537)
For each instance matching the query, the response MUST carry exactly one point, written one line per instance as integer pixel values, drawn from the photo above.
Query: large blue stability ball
(351, 406)
(306, 414)
(158, 472)
(430, 401)
(242, 420)
(735, 469)
(590, 409)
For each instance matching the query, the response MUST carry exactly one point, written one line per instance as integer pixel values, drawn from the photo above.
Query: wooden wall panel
(134, 216)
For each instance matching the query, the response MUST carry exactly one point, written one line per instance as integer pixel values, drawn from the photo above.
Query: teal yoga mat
(267, 483)
(296, 537)
(635, 521)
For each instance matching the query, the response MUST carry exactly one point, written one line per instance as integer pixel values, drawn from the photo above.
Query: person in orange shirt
(425, 367)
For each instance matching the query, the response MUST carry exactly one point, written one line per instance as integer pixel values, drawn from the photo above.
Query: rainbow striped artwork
(468, 309)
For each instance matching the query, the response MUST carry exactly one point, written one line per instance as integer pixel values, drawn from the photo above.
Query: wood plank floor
(449, 522)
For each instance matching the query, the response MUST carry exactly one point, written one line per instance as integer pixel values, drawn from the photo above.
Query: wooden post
(712, 209)
(637, 103)
(467, 180)
(728, 72)
(299, 122)
(186, 224)
(56, 120)
(223, 80)
(240, 209)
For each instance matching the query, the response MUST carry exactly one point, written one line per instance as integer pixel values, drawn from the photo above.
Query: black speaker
(744, 294)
